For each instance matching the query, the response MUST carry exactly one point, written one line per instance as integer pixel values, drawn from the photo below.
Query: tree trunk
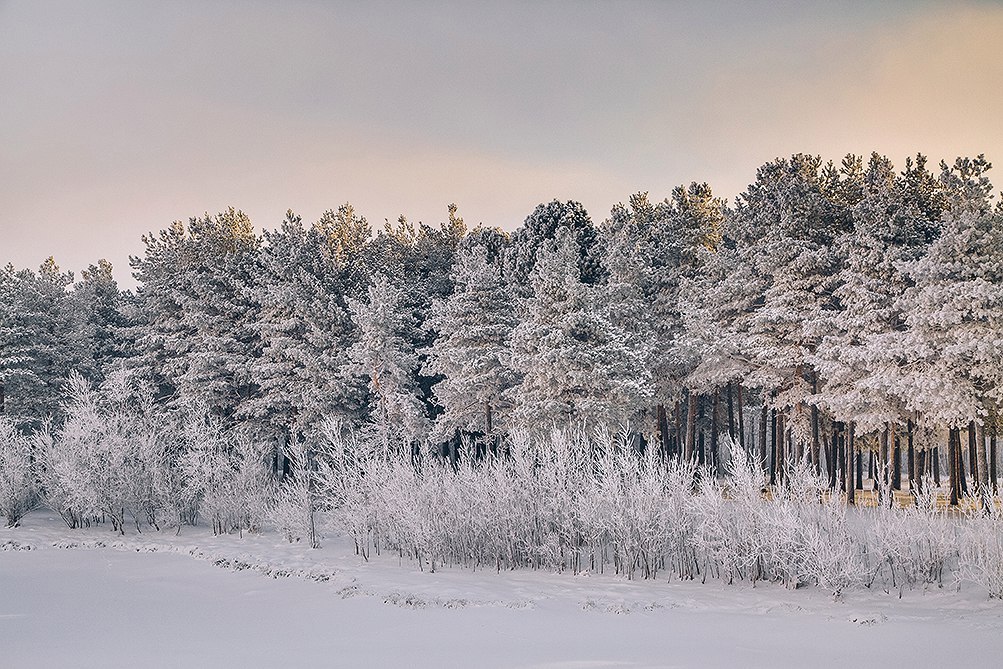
(973, 456)
(795, 447)
(680, 429)
(454, 451)
(773, 447)
(980, 445)
(763, 420)
(663, 429)
(731, 414)
(883, 460)
(691, 427)
(841, 461)
(3, 398)
(715, 453)
(701, 452)
(920, 470)
(954, 464)
(741, 417)
(830, 455)
(911, 457)
(992, 461)
(782, 448)
(871, 470)
(850, 497)
(896, 463)
(935, 460)
(860, 473)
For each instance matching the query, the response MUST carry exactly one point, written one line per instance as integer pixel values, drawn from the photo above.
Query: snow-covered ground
(90, 599)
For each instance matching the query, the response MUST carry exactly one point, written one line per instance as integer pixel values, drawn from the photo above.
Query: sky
(117, 118)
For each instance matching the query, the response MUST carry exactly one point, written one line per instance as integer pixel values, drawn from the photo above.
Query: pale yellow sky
(118, 117)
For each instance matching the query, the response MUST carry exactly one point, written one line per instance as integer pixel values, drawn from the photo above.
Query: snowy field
(90, 599)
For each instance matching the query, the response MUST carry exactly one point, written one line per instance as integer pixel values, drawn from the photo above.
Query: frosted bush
(981, 549)
(17, 495)
(101, 462)
(223, 475)
(294, 510)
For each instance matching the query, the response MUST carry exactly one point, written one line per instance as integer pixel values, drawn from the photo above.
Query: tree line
(847, 315)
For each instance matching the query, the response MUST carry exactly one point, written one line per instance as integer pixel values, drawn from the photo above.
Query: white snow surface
(89, 598)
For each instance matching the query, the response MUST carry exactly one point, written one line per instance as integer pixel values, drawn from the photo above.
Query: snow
(87, 598)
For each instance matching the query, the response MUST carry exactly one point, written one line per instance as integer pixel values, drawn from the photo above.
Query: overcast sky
(117, 118)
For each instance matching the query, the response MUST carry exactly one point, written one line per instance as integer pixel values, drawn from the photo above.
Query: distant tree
(44, 335)
(577, 366)
(541, 227)
(307, 275)
(473, 326)
(17, 481)
(197, 340)
(384, 355)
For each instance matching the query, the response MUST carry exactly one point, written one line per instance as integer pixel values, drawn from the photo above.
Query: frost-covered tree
(17, 489)
(108, 315)
(418, 260)
(473, 326)
(385, 357)
(197, 340)
(307, 275)
(861, 360)
(539, 229)
(222, 474)
(103, 459)
(43, 335)
(577, 366)
(954, 312)
(785, 227)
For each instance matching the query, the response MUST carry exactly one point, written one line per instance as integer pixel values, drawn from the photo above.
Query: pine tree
(861, 361)
(954, 311)
(307, 276)
(197, 339)
(473, 326)
(43, 336)
(385, 356)
(577, 366)
(542, 226)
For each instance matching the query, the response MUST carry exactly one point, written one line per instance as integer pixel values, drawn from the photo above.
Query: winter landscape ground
(89, 598)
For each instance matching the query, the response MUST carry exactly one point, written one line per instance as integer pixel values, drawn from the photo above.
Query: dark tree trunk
(850, 496)
(920, 470)
(992, 461)
(935, 461)
(830, 455)
(763, 420)
(691, 427)
(782, 454)
(884, 460)
(860, 473)
(773, 447)
(973, 455)
(741, 417)
(815, 442)
(454, 451)
(841, 461)
(983, 460)
(871, 469)
(702, 455)
(663, 430)
(680, 429)
(3, 398)
(954, 464)
(731, 414)
(897, 464)
(911, 457)
(715, 452)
